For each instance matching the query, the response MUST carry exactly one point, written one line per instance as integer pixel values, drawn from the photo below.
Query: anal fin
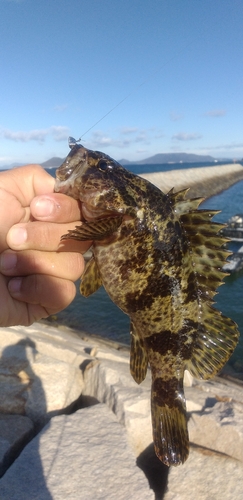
(91, 279)
(138, 357)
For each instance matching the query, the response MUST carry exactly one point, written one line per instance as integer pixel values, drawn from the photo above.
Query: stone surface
(15, 432)
(219, 428)
(34, 383)
(206, 477)
(111, 383)
(43, 371)
(85, 455)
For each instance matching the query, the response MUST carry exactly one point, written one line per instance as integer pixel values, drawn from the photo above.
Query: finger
(26, 182)
(39, 296)
(44, 236)
(55, 207)
(65, 265)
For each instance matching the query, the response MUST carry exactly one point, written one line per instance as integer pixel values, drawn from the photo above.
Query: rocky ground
(74, 425)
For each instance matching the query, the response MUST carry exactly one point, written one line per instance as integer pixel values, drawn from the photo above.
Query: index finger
(45, 236)
(55, 207)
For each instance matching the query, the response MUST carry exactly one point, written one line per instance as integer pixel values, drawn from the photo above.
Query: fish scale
(160, 259)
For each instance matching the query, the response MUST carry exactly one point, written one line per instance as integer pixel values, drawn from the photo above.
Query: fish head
(102, 185)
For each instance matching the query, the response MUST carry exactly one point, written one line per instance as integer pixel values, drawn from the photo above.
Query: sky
(133, 78)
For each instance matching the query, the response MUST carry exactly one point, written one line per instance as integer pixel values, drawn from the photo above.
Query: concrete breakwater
(74, 424)
(204, 181)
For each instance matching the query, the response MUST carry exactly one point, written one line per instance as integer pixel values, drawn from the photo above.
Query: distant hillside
(171, 158)
(152, 160)
(53, 162)
(56, 161)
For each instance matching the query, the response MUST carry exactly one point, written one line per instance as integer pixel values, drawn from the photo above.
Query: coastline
(203, 182)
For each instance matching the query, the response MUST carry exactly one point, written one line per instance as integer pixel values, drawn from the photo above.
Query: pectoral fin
(138, 357)
(91, 279)
(95, 230)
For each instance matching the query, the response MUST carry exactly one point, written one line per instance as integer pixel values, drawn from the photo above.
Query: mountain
(157, 159)
(124, 162)
(171, 158)
(53, 162)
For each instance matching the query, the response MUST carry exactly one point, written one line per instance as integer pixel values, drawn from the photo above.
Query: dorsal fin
(217, 335)
(182, 204)
(205, 243)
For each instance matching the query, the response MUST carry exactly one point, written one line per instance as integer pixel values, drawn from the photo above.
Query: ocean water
(98, 315)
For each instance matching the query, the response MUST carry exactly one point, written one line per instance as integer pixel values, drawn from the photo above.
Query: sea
(98, 315)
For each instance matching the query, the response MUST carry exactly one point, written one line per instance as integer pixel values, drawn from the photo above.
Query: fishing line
(143, 83)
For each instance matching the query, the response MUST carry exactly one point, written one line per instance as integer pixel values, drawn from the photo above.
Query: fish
(160, 259)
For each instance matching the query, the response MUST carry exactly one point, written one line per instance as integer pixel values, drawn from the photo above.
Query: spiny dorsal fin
(217, 335)
(205, 246)
(183, 205)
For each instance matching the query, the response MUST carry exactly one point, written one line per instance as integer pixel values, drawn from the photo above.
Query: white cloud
(175, 117)
(159, 135)
(216, 113)
(59, 133)
(60, 107)
(128, 130)
(100, 139)
(20, 136)
(142, 137)
(124, 138)
(225, 147)
(183, 136)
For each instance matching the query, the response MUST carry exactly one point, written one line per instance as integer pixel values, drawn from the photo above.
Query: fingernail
(44, 207)
(14, 285)
(8, 261)
(17, 236)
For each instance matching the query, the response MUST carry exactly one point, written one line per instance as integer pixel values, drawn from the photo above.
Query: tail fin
(170, 434)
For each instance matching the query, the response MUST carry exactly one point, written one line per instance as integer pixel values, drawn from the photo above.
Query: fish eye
(104, 165)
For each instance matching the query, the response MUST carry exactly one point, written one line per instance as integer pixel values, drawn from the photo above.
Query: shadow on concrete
(19, 379)
(155, 471)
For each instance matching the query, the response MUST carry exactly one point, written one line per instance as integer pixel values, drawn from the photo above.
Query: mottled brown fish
(160, 260)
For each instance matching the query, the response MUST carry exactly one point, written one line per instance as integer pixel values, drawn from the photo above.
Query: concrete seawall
(75, 425)
(204, 181)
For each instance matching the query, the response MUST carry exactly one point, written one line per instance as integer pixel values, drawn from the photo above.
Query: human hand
(37, 272)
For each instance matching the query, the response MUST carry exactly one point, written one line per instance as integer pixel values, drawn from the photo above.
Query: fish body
(160, 259)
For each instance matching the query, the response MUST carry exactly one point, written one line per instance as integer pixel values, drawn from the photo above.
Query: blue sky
(177, 65)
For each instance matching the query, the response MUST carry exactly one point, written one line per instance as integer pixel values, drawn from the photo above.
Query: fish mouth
(67, 187)
(73, 162)
(69, 171)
